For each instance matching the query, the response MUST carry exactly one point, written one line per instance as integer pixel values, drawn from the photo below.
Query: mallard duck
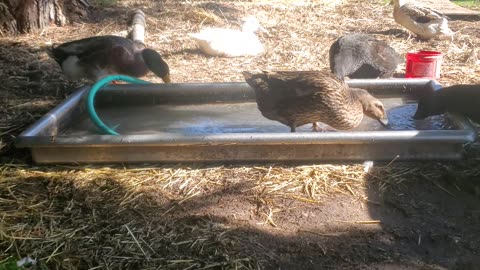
(230, 42)
(424, 22)
(296, 98)
(95, 57)
(362, 56)
(462, 99)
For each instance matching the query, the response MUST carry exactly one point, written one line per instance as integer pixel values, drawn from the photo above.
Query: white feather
(229, 42)
(72, 70)
(402, 13)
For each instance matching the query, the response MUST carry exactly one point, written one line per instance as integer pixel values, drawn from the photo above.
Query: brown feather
(296, 98)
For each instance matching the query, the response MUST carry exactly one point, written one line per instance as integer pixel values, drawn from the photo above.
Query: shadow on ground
(407, 216)
(88, 217)
(31, 85)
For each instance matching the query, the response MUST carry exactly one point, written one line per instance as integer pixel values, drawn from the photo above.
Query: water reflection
(235, 118)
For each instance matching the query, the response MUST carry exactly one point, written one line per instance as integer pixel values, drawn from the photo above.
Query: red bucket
(423, 64)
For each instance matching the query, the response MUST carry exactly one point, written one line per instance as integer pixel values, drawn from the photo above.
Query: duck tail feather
(251, 77)
(196, 36)
(444, 29)
(247, 75)
(254, 79)
(56, 53)
(50, 50)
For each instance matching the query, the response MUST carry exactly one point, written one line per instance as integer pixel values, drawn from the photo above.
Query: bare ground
(266, 216)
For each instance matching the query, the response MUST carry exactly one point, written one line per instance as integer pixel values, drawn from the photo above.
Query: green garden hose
(91, 98)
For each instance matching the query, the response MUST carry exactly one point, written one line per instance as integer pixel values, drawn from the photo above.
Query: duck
(463, 99)
(297, 98)
(425, 22)
(230, 42)
(361, 55)
(96, 57)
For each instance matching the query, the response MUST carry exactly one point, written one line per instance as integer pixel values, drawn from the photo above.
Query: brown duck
(296, 98)
(95, 57)
(462, 99)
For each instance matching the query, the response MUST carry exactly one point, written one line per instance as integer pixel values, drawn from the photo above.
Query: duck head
(251, 24)
(397, 3)
(372, 107)
(428, 106)
(156, 64)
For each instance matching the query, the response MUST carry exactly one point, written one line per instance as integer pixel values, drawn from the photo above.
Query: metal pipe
(169, 139)
(243, 86)
(56, 117)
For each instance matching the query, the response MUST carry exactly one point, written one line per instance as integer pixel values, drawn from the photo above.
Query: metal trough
(219, 122)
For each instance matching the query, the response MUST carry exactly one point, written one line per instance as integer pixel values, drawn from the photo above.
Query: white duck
(424, 22)
(230, 42)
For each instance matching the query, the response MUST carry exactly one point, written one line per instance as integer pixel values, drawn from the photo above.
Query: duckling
(95, 57)
(229, 42)
(423, 21)
(296, 98)
(462, 99)
(362, 56)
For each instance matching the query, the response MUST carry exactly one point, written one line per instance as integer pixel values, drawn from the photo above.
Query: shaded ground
(399, 217)
(396, 216)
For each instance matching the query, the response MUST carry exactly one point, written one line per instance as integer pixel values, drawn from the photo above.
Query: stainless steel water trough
(161, 123)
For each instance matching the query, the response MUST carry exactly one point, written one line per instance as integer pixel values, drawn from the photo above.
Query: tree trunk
(25, 16)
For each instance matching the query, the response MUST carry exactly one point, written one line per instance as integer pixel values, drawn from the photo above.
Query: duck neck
(438, 104)
(358, 96)
(398, 3)
(155, 63)
(131, 65)
(356, 105)
(251, 25)
(137, 66)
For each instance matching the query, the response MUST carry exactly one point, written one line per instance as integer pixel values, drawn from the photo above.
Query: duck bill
(383, 121)
(167, 78)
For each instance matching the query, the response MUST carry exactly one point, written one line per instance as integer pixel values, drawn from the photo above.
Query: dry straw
(179, 217)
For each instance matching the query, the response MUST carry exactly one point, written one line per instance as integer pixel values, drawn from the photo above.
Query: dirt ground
(265, 216)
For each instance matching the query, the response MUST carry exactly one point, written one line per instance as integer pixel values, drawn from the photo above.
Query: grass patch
(472, 4)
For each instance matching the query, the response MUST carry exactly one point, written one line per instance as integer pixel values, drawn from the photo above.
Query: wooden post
(137, 26)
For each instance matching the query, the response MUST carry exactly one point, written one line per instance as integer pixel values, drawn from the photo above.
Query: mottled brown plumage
(296, 98)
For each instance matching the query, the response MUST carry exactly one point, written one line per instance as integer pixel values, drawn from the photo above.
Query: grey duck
(462, 99)
(362, 56)
(296, 98)
(95, 57)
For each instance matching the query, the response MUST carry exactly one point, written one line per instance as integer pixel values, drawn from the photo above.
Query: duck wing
(383, 57)
(421, 14)
(296, 84)
(90, 48)
(303, 97)
(279, 88)
(343, 62)
(295, 98)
